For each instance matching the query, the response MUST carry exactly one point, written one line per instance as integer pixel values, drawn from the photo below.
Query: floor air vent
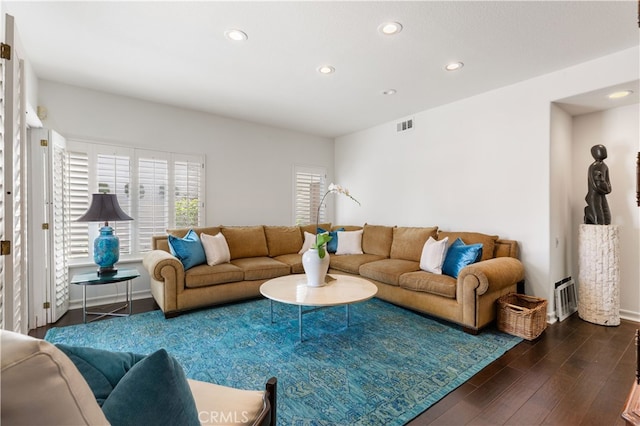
(404, 125)
(566, 300)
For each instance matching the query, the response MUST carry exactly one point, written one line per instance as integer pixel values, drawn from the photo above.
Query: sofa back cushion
(245, 241)
(283, 239)
(488, 241)
(377, 239)
(161, 242)
(311, 228)
(408, 241)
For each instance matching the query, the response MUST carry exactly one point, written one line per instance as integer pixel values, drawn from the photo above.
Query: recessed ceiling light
(390, 28)
(389, 92)
(454, 66)
(620, 94)
(236, 35)
(326, 69)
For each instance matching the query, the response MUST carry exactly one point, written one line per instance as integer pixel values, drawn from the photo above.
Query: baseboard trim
(630, 315)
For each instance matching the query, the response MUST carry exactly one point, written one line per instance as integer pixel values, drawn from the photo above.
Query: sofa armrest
(166, 275)
(156, 260)
(492, 274)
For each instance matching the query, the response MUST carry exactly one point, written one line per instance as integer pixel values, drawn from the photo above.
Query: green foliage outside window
(187, 210)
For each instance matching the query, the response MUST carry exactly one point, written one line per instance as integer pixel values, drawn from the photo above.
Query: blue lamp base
(106, 251)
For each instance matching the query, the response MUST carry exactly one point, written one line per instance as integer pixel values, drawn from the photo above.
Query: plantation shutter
(14, 277)
(60, 230)
(188, 188)
(78, 203)
(2, 192)
(159, 190)
(114, 177)
(153, 210)
(309, 189)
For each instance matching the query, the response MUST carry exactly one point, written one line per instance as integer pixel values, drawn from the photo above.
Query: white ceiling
(176, 53)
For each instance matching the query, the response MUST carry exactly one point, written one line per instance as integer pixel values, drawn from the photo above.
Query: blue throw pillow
(460, 255)
(154, 392)
(332, 245)
(188, 249)
(102, 370)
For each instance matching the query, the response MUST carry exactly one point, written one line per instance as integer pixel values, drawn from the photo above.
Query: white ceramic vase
(315, 268)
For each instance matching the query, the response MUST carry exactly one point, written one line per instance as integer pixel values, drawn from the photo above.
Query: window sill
(86, 262)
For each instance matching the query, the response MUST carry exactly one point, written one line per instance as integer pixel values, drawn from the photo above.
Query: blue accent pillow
(101, 369)
(332, 245)
(188, 249)
(154, 392)
(460, 255)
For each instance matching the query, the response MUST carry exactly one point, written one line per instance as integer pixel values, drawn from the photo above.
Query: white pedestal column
(599, 274)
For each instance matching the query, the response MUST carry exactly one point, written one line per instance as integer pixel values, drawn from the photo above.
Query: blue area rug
(387, 367)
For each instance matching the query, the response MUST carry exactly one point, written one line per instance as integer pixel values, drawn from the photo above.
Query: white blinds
(309, 188)
(153, 208)
(114, 177)
(77, 180)
(160, 190)
(187, 185)
(60, 231)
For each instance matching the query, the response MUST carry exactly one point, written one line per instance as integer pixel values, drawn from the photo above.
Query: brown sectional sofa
(390, 259)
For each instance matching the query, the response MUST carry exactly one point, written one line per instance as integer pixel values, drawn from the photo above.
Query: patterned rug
(387, 367)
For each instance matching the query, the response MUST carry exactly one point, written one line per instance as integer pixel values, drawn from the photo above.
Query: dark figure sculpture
(597, 211)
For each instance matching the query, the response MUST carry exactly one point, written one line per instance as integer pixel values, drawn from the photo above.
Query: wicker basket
(521, 315)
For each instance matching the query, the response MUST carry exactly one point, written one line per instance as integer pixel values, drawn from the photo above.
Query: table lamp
(106, 247)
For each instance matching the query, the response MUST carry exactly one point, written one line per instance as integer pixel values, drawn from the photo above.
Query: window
(160, 190)
(310, 183)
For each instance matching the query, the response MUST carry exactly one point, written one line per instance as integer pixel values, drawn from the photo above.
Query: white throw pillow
(309, 240)
(433, 254)
(349, 242)
(215, 248)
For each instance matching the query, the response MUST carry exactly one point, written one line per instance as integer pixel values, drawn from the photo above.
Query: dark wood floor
(576, 373)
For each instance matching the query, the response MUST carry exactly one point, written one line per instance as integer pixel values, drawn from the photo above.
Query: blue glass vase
(106, 250)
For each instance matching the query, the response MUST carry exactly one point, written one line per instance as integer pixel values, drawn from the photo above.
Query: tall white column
(599, 274)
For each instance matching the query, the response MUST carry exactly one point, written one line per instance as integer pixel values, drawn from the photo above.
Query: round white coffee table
(340, 290)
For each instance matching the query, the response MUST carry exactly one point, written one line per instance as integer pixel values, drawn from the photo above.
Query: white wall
(618, 130)
(561, 225)
(481, 164)
(249, 167)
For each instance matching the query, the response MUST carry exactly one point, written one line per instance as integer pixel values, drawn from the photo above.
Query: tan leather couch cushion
(205, 275)
(283, 239)
(346, 227)
(312, 228)
(442, 285)
(488, 241)
(261, 268)
(294, 261)
(409, 241)
(351, 262)
(41, 385)
(388, 271)
(377, 239)
(246, 241)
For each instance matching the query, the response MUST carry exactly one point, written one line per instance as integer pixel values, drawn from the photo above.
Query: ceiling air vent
(404, 125)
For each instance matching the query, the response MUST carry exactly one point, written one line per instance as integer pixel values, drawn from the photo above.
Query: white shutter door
(14, 303)
(59, 231)
(2, 191)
